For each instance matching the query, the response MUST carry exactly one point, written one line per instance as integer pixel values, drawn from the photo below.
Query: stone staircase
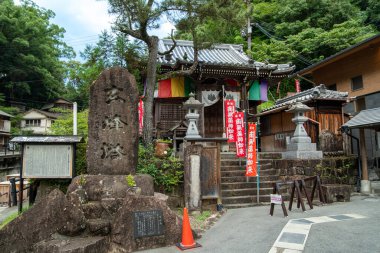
(240, 191)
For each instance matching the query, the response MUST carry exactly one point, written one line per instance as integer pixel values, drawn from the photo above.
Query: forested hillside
(36, 64)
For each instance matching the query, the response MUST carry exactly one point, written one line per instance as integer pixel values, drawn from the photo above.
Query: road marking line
(293, 236)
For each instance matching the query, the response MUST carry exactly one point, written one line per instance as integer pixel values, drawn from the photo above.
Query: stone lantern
(300, 146)
(193, 107)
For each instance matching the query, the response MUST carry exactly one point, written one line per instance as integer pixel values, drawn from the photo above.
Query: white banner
(210, 97)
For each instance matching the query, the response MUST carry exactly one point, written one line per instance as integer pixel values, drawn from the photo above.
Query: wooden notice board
(48, 161)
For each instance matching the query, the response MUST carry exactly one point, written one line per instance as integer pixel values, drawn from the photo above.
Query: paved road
(253, 230)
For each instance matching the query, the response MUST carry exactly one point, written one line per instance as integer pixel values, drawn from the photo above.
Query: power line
(269, 35)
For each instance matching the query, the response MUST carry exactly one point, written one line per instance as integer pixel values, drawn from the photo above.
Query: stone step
(245, 192)
(97, 244)
(241, 172)
(242, 167)
(242, 162)
(244, 185)
(270, 155)
(250, 199)
(92, 210)
(243, 179)
(99, 226)
(262, 155)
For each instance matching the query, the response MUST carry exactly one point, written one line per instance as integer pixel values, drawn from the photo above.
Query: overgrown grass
(203, 216)
(11, 217)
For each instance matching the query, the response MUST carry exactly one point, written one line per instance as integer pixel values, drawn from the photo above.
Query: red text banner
(229, 108)
(251, 169)
(239, 134)
(141, 116)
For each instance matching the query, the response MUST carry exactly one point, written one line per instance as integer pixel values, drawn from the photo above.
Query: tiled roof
(317, 93)
(5, 114)
(365, 119)
(218, 55)
(47, 114)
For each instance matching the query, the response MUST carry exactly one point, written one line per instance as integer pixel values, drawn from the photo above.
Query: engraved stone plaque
(209, 172)
(148, 223)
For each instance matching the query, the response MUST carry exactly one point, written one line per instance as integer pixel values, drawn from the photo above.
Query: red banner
(239, 134)
(251, 169)
(141, 116)
(229, 109)
(298, 86)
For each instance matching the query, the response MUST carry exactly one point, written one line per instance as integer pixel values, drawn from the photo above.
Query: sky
(84, 20)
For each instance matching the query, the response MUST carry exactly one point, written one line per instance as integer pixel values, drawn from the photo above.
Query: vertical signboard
(229, 107)
(48, 161)
(251, 169)
(239, 134)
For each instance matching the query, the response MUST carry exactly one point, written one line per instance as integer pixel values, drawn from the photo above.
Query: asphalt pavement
(254, 230)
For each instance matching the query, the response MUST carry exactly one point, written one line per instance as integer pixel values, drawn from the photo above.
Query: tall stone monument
(113, 124)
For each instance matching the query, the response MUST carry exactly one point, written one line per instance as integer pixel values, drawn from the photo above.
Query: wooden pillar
(363, 152)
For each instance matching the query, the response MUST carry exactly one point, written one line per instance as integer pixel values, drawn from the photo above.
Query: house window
(32, 122)
(332, 87)
(360, 104)
(356, 83)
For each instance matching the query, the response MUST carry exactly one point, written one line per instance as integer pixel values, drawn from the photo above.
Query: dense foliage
(30, 52)
(167, 172)
(110, 50)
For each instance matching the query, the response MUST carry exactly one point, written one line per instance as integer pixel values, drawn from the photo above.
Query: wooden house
(326, 118)
(5, 128)
(355, 70)
(60, 103)
(222, 67)
(38, 121)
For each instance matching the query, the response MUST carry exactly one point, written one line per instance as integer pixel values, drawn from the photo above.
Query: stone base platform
(336, 192)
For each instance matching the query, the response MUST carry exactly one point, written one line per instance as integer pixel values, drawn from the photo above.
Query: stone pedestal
(365, 186)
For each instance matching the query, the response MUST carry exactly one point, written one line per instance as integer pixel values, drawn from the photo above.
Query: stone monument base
(302, 150)
(98, 214)
(302, 155)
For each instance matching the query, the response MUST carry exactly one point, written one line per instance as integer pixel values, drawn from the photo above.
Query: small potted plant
(162, 147)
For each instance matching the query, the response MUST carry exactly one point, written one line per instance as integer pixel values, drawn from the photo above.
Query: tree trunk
(151, 74)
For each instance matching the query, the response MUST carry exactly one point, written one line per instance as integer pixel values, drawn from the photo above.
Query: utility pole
(249, 27)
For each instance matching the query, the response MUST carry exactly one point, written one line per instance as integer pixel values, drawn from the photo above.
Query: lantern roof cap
(298, 107)
(192, 102)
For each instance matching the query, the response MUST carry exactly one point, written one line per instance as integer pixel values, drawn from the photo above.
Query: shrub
(167, 172)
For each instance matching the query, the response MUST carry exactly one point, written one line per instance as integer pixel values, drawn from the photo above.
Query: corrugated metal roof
(317, 93)
(5, 114)
(48, 139)
(218, 54)
(365, 119)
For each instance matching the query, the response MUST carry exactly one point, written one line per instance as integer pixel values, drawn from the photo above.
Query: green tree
(137, 18)
(30, 52)
(307, 31)
(110, 50)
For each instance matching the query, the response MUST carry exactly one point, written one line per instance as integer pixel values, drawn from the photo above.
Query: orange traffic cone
(187, 235)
